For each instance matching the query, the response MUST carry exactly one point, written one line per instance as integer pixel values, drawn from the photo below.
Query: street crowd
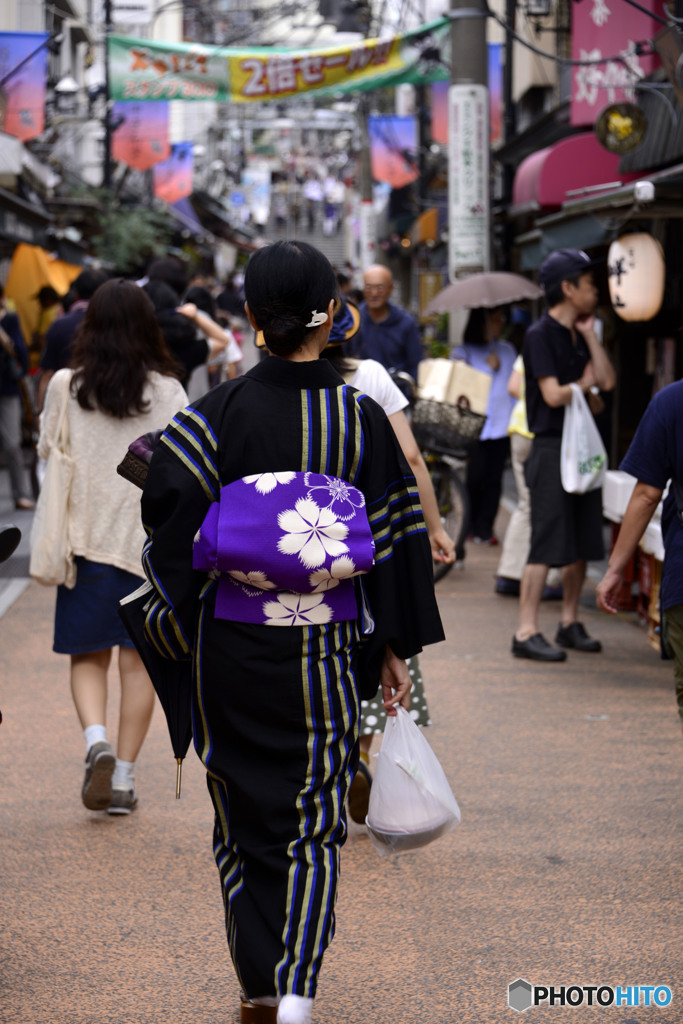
(264, 490)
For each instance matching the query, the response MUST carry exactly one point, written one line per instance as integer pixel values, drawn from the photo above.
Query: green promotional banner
(142, 70)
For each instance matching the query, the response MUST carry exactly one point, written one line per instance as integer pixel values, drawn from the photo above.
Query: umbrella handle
(178, 774)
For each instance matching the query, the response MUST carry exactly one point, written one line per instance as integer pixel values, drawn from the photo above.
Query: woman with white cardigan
(124, 383)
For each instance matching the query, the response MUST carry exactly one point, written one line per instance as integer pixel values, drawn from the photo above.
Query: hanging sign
(145, 70)
(23, 72)
(132, 12)
(393, 149)
(141, 139)
(621, 127)
(636, 274)
(613, 31)
(173, 177)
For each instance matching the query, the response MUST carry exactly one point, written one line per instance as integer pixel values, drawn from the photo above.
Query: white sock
(265, 1000)
(94, 734)
(295, 1010)
(124, 774)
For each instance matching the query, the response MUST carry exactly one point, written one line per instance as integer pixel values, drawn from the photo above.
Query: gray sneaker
(99, 768)
(123, 800)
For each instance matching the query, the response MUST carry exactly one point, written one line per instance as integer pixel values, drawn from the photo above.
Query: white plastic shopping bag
(411, 802)
(583, 459)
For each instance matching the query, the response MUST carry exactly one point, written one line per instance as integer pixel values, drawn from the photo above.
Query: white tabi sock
(295, 1010)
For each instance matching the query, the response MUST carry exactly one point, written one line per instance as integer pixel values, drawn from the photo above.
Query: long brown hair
(115, 348)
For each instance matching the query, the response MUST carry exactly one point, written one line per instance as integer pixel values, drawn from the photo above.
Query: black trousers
(484, 482)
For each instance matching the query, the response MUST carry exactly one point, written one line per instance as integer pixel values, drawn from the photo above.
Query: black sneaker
(537, 648)
(576, 636)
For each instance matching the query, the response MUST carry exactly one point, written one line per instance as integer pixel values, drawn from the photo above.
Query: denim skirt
(87, 617)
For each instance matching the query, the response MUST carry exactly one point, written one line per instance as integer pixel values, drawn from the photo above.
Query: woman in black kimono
(275, 710)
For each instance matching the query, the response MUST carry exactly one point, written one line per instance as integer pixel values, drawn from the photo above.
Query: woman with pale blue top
(483, 350)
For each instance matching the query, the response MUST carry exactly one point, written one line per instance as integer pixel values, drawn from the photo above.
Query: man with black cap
(57, 352)
(560, 349)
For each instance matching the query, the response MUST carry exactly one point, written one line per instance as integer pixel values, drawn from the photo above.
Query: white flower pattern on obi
(312, 533)
(338, 495)
(267, 482)
(253, 583)
(296, 610)
(341, 569)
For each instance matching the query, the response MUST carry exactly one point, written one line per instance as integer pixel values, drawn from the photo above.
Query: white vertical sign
(469, 203)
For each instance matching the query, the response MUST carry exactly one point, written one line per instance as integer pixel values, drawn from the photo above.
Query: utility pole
(469, 202)
(368, 241)
(106, 164)
(367, 232)
(508, 100)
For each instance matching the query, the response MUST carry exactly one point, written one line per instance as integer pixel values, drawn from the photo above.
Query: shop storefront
(21, 222)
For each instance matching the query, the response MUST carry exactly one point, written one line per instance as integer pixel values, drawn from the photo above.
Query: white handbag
(52, 558)
(583, 459)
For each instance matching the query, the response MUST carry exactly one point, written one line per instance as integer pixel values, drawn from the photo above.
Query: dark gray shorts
(564, 527)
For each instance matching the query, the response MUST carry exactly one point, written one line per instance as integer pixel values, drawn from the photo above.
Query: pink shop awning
(577, 162)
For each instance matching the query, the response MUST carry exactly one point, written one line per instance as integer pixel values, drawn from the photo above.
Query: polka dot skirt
(373, 715)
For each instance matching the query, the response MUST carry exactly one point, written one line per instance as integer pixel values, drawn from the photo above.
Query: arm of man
(651, 460)
(601, 367)
(639, 512)
(556, 394)
(217, 338)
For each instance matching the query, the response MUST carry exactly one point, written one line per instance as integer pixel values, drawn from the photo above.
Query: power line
(618, 58)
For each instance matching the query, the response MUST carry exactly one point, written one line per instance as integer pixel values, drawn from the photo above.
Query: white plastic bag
(411, 802)
(583, 459)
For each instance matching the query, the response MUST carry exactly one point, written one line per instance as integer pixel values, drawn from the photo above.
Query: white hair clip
(317, 319)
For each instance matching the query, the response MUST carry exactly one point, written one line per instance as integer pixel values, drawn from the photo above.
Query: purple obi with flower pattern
(285, 548)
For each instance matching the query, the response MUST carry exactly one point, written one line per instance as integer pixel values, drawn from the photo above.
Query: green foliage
(126, 237)
(438, 349)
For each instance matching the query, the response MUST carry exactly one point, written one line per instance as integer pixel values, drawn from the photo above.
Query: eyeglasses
(375, 288)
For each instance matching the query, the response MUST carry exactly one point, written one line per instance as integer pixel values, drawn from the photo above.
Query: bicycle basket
(441, 425)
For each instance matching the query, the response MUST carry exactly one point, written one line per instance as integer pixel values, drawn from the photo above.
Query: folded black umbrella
(172, 680)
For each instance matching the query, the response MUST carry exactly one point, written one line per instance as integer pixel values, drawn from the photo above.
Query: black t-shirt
(57, 352)
(550, 351)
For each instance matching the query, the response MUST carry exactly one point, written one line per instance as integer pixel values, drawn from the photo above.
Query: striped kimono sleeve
(181, 484)
(400, 587)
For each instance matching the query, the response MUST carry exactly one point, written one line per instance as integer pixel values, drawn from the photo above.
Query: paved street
(565, 869)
